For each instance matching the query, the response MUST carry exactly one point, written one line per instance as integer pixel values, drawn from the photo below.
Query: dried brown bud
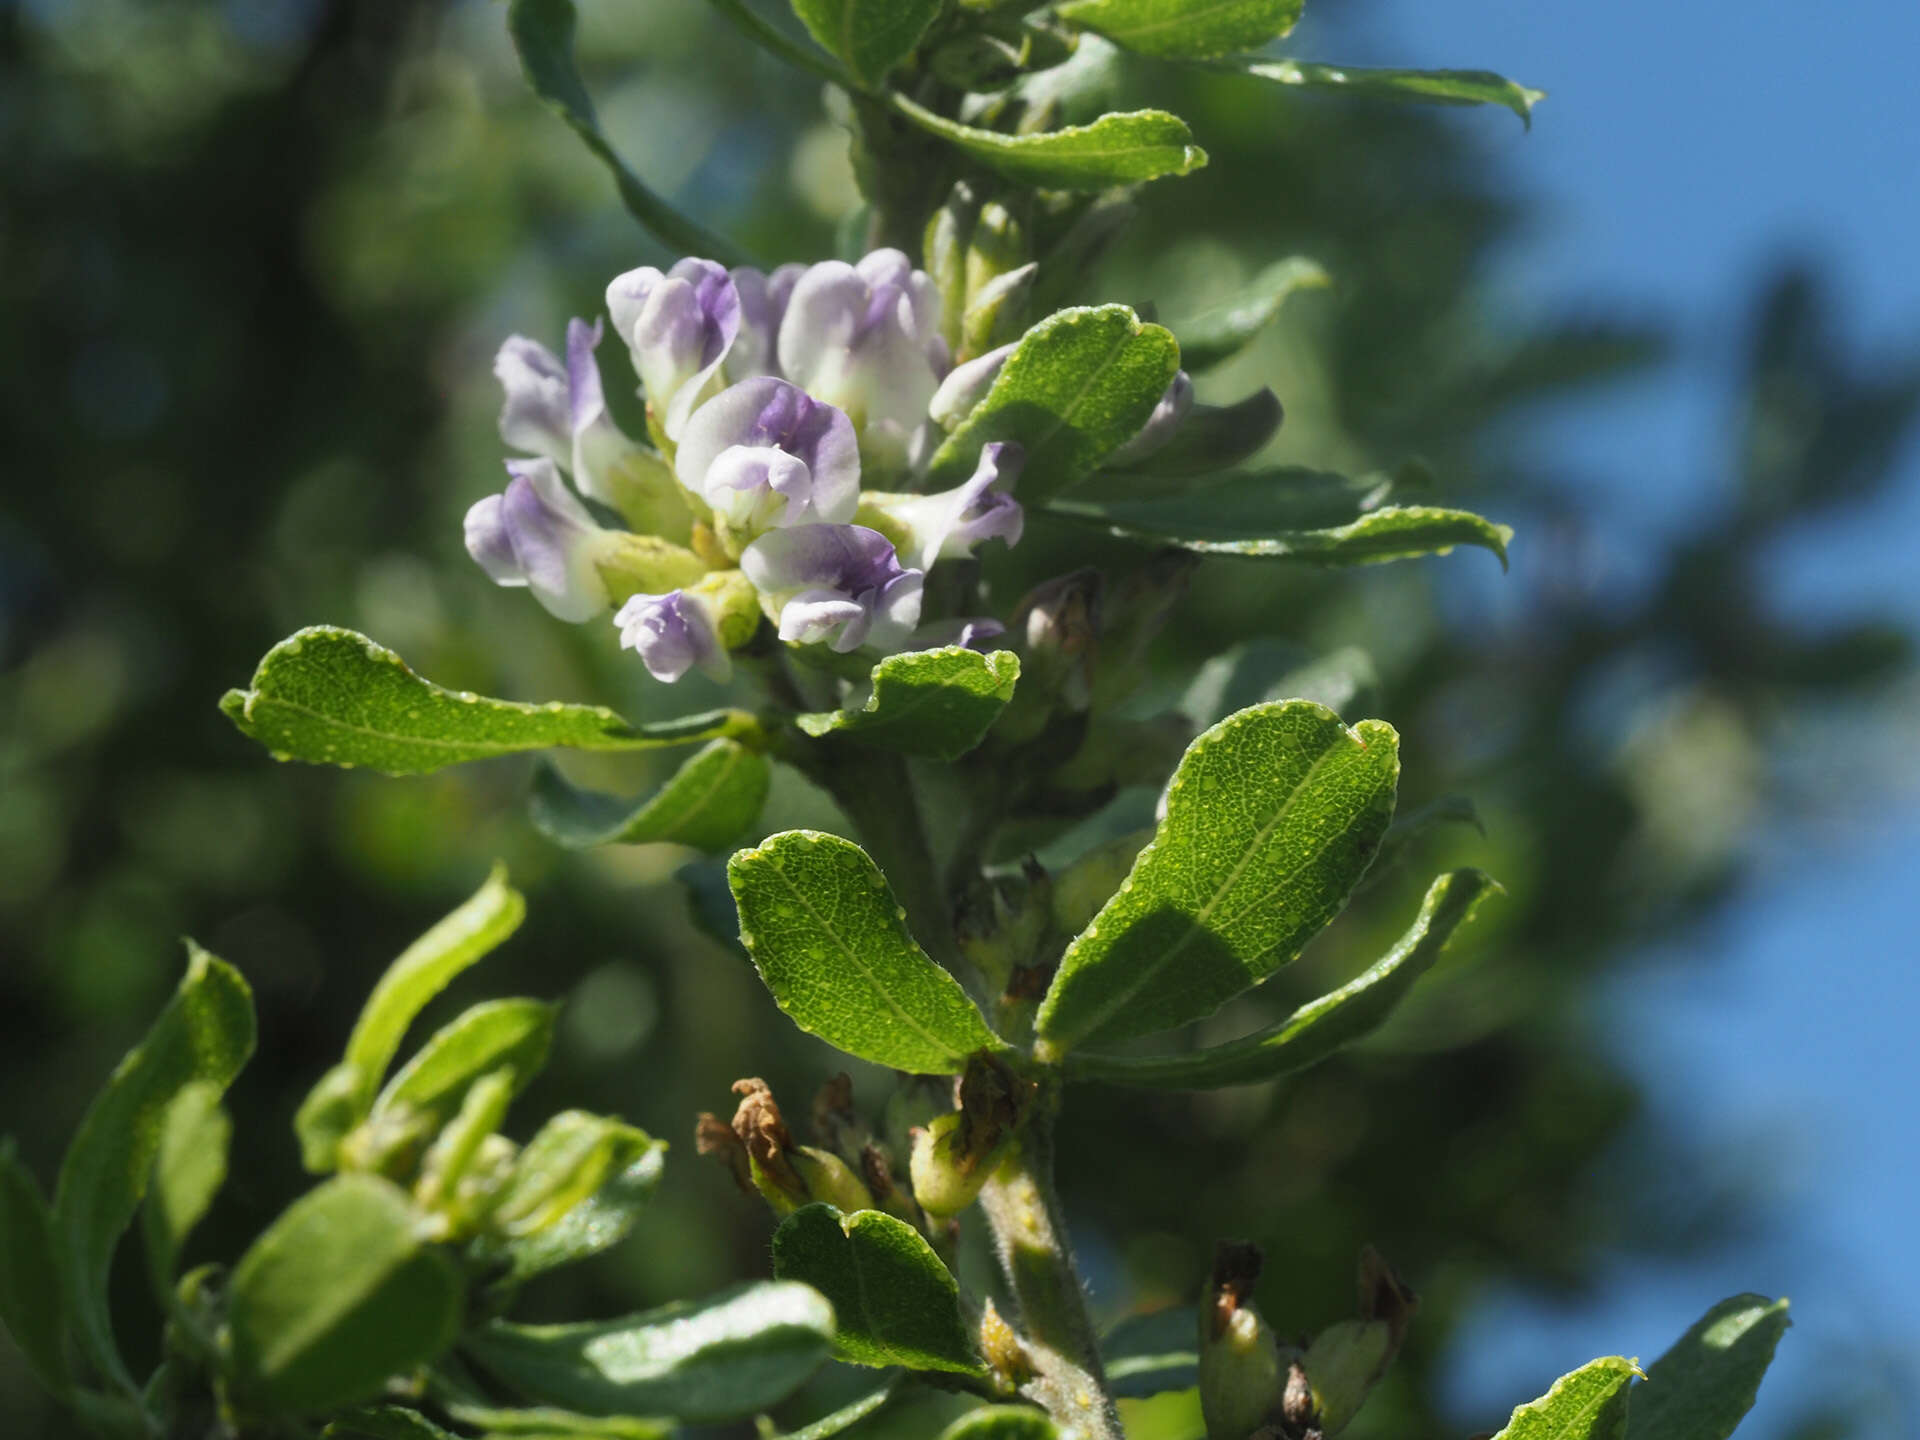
(713, 1136)
(763, 1131)
(1385, 1296)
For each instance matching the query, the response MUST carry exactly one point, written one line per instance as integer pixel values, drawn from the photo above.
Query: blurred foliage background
(255, 257)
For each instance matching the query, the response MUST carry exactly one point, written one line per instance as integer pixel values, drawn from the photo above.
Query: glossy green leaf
(1588, 1404)
(333, 697)
(928, 702)
(1295, 514)
(542, 32)
(869, 36)
(1271, 820)
(831, 943)
(33, 1291)
(1318, 1028)
(514, 1033)
(1153, 1353)
(1219, 334)
(1211, 439)
(1079, 385)
(551, 1423)
(188, 1170)
(1120, 148)
(1002, 1422)
(895, 1302)
(728, 1355)
(848, 1415)
(597, 1223)
(711, 801)
(564, 1166)
(1434, 87)
(1186, 29)
(204, 1035)
(1700, 1389)
(345, 1095)
(338, 1294)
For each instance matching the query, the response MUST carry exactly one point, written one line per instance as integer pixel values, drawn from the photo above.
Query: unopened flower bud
(1056, 629)
(1243, 1374)
(944, 252)
(1167, 417)
(1342, 1364)
(996, 312)
(786, 1175)
(967, 385)
(954, 1155)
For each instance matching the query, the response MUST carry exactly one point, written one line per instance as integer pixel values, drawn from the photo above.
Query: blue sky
(1684, 149)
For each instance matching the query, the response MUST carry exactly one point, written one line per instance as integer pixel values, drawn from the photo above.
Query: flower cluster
(772, 400)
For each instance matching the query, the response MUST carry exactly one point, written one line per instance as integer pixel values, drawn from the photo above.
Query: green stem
(1031, 1235)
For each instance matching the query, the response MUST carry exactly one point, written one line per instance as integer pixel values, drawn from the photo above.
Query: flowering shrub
(832, 454)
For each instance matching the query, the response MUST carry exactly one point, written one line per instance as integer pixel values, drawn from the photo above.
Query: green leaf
(573, 1155)
(895, 1301)
(33, 1291)
(848, 1415)
(542, 33)
(1079, 385)
(1318, 1028)
(1406, 833)
(515, 1033)
(1212, 438)
(1186, 29)
(1002, 1422)
(1120, 148)
(597, 1223)
(188, 1170)
(1217, 335)
(386, 1422)
(1435, 87)
(870, 36)
(728, 1355)
(1294, 514)
(551, 1423)
(1589, 1404)
(336, 1296)
(205, 1034)
(333, 697)
(831, 943)
(1343, 680)
(345, 1095)
(1272, 818)
(1150, 1354)
(709, 803)
(1700, 1389)
(927, 702)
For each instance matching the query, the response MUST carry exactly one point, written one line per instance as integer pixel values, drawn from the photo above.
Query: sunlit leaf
(710, 801)
(1271, 820)
(1120, 148)
(204, 1035)
(1588, 1404)
(895, 1302)
(565, 1164)
(33, 1290)
(495, 1033)
(928, 702)
(188, 1170)
(339, 1294)
(728, 1355)
(542, 33)
(333, 697)
(831, 942)
(869, 36)
(1218, 334)
(596, 1223)
(1186, 29)
(1436, 87)
(1704, 1385)
(345, 1095)
(1318, 1028)
(1079, 385)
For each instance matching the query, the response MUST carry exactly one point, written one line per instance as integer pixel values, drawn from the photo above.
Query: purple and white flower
(841, 585)
(536, 533)
(951, 524)
(763, 305)
(765, 454)
(1167, 416)
(558, 410)
(972, 633)
(679, 324)
(674, 633)
(866, 338)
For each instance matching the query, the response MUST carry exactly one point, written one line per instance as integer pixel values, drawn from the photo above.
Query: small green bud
(944, 253)
(760, 1151)
(734, 603)
(943, 1182)
(1342, 1364)
(1056, 629)
(1243, 1375)
(827, 1177)
(645, 565)
(997, 312)
(643, 488)
(956, 1152)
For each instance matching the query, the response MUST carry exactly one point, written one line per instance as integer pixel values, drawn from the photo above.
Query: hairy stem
(1031, 1236)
